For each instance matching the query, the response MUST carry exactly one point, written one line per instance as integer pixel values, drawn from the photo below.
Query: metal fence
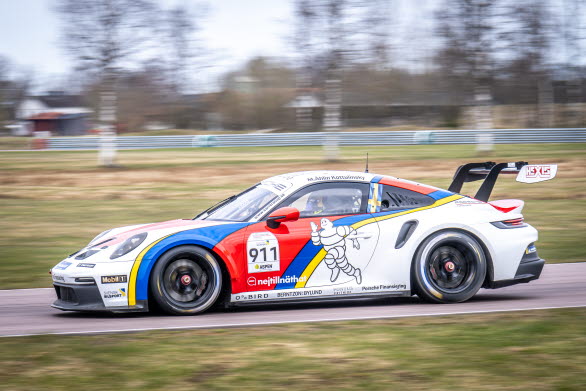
(500, 136)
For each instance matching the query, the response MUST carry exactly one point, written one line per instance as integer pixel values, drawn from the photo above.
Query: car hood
(118, 235)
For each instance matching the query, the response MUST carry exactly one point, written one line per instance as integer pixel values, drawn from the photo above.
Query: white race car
(310, 236)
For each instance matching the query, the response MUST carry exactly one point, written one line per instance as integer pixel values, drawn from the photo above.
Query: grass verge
(537, 350)
(53, 203)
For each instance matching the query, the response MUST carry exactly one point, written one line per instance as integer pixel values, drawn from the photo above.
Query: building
(56, 113)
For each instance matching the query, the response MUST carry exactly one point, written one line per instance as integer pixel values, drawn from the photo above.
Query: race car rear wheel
(186, 280)
(449, 267)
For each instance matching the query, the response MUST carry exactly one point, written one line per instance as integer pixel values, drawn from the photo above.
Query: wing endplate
(533, 173)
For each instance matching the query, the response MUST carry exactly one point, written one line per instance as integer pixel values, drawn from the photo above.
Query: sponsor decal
(343, 291)
(374, 197)
(309, 268)
(336, 178)
(276, 187)
(267, 207)
(297, 293)
(252, 296)
(537, 173)
(253, 281)
(280, 295)
(314, 292)
(114, 279)
(467, 202)
(333, 240)
(88, 265)
(382, 287)
(115, 294)
(262, 249)
(58, 278)
(62, 265)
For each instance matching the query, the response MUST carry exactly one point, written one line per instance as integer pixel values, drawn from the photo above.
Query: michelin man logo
(334, 241)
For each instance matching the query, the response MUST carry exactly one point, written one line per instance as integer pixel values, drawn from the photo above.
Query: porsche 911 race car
(312, 236)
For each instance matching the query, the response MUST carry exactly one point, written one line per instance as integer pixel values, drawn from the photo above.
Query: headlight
(100, 235)
(128, 245)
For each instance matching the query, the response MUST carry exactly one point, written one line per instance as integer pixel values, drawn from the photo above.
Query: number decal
(262, 249)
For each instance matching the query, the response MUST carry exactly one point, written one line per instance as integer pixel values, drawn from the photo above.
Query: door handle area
(364, 235)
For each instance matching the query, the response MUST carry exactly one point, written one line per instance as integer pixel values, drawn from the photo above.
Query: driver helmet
(316, 203)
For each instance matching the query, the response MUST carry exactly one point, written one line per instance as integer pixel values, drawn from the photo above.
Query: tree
(334, 16)
(467, 28)
(14, 86)
(254, 96)
(572, 29)
(101, 35)
(178, 29)
(375, 27)
(305, 15)
(528, 41)
(5, 90)
(181, 54)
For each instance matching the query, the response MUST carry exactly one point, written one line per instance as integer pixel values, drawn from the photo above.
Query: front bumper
(96, 286)
(78, 297)
(75, 297)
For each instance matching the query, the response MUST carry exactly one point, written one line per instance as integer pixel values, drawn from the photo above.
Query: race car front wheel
(449, 267)
(186, 280)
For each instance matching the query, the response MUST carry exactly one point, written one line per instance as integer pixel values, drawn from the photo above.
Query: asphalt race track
(27, 311)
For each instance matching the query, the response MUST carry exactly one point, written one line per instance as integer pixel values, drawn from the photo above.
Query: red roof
(49, 115)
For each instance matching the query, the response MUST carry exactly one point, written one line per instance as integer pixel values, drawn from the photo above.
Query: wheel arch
(141, 273)
(487, 254)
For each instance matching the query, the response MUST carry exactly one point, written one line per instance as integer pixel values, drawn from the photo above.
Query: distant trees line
(352, 62)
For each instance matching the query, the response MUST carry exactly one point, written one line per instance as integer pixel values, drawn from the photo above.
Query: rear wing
(489, 171)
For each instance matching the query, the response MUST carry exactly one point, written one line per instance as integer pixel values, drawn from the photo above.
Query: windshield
(243, 206)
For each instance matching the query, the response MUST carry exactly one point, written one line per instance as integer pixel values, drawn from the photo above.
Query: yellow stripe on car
(134, 271)
(310, 268)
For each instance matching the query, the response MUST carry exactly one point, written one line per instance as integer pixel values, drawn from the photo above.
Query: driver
(316, 204)
(319, 204)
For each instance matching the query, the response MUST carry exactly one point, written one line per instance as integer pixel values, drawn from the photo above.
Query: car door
(401, 214)
(325, 252)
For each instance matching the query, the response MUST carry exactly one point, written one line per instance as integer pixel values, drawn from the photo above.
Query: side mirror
(282, 215)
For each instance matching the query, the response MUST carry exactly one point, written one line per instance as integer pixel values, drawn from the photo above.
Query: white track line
(24, 289)
(252, 324)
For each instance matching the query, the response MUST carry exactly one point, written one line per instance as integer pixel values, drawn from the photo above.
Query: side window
(327, 199)
(397, 198)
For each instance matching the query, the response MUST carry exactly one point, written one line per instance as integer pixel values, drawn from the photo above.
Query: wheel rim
(451, 268)
(187, 282)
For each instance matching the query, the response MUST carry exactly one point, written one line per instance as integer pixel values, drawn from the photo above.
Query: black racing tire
(186, 280)
(449, 267)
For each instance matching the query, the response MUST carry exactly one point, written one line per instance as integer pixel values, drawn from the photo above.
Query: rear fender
(503, 247)
(465, 229)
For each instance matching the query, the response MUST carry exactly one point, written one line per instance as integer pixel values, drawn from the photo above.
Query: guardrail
(499, 136)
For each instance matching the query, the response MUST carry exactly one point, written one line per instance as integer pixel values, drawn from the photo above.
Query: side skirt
(259, 298)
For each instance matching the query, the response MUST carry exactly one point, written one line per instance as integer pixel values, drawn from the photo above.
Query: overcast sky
(234, 30)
